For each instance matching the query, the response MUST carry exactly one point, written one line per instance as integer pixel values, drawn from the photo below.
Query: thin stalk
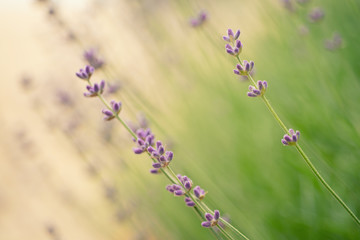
(313, 169)
(304, 156)
(227, 235)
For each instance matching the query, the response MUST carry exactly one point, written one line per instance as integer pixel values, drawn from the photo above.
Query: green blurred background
(74, 176)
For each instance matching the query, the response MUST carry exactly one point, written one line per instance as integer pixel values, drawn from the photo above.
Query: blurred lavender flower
(212, 220)
(64, 98)
(93, 59)
(292, 138)
(199, 19)
(288, 5)
(199, 192)
(144, 139)
(189, 202)
(259, 91)
(116, 108)
(303, 30)
(316, 14)
(85, 73)
(333, 43)
(94, 91)
(245, 68)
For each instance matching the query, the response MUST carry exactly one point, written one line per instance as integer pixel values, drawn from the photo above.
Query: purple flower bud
(102, 85)
(256, 92)
(287, 138)
(284, 142)
(236, 72)
(161, 150)
(238, 44)
(187, 185)
(156, 165)
(190, 204)
(208, 216)
(250, 94)
(169, 155)
(107, 112)
(179, 192)
(206, 224)
(237, 34)
(138, 150)
(150, 149)
(155, 171)
(216, 214)
(158, 144)
(230, 33)
(226, 38)
(85, 73)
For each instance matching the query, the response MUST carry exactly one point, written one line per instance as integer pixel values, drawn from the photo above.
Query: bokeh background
(67, 174)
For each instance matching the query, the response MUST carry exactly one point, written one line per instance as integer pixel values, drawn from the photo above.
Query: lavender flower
(259, 91)
(291, 138)
(199, 19)
(236, 50)
(212, 220)
(199, 192)
(288, 5)
(316, 14)
(116, 108)
(245, 68)
(175, 189)
(163, 158)
(144, 139)
(85, 73)
(95, 90)
(231, 37)
(186, 182)
(92, 58)
(189, 202)
(334, 43)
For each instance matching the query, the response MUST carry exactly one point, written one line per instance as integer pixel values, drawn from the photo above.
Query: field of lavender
(179, 74)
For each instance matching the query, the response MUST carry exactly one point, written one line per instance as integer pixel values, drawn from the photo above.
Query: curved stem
(304, 156)
(322, 180)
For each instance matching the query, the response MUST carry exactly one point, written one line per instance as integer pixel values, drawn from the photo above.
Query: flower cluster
(85, 73)
(116, 107)
(199, 20)
(232, 38)
(259, 91)
(176, 189)
(163, 158)
(291, 138)
(95, 90)
(212, 220)
(144, 139)
(92, 58)
(185, 181)
(245, 68)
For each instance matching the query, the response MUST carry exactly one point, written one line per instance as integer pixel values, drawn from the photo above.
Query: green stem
(271, 109)
(227, 235)
(322, 180)
(304, 156)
